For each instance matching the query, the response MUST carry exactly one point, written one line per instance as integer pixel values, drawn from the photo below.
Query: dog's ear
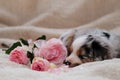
(99, 52)
(68, 37)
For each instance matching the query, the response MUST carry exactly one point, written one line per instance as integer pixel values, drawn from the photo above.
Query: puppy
(90, 45)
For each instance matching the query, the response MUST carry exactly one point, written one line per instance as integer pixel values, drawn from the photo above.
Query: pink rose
(40, 64)
(19, 55)
(38, 44)
(54, 51)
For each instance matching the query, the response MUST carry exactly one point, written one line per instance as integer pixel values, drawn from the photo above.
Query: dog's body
(90, 45)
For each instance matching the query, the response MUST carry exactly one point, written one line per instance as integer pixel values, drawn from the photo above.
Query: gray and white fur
(95, 44)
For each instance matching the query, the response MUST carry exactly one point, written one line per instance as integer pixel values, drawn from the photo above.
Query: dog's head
(85, 48)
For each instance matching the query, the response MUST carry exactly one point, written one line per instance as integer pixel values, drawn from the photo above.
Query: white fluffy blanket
(102, 70)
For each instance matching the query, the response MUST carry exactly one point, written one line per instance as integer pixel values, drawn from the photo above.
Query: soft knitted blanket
(103, 70)
(33, 18)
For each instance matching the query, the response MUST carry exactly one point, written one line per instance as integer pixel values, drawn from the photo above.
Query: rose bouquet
(41, 54)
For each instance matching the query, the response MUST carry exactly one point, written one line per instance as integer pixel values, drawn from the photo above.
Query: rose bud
(40, 64)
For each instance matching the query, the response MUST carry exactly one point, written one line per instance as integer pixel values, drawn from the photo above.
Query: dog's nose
(67, 62)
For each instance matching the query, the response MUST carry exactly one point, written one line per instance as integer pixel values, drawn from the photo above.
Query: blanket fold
(56, 14)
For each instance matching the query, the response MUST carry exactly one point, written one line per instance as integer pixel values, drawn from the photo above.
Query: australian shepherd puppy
(90, 45)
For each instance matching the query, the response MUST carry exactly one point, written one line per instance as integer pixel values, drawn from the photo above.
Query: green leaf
(25, 42)
(34, 46)
(13, 47)
(30, 56)
(43, 37)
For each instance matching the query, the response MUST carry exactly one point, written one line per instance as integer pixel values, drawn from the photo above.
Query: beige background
(32, 18)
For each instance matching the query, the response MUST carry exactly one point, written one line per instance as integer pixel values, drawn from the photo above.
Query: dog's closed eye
(85, 53)
(83, 56)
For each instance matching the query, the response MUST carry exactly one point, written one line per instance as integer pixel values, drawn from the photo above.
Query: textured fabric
(103, 70)
(32, 18)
